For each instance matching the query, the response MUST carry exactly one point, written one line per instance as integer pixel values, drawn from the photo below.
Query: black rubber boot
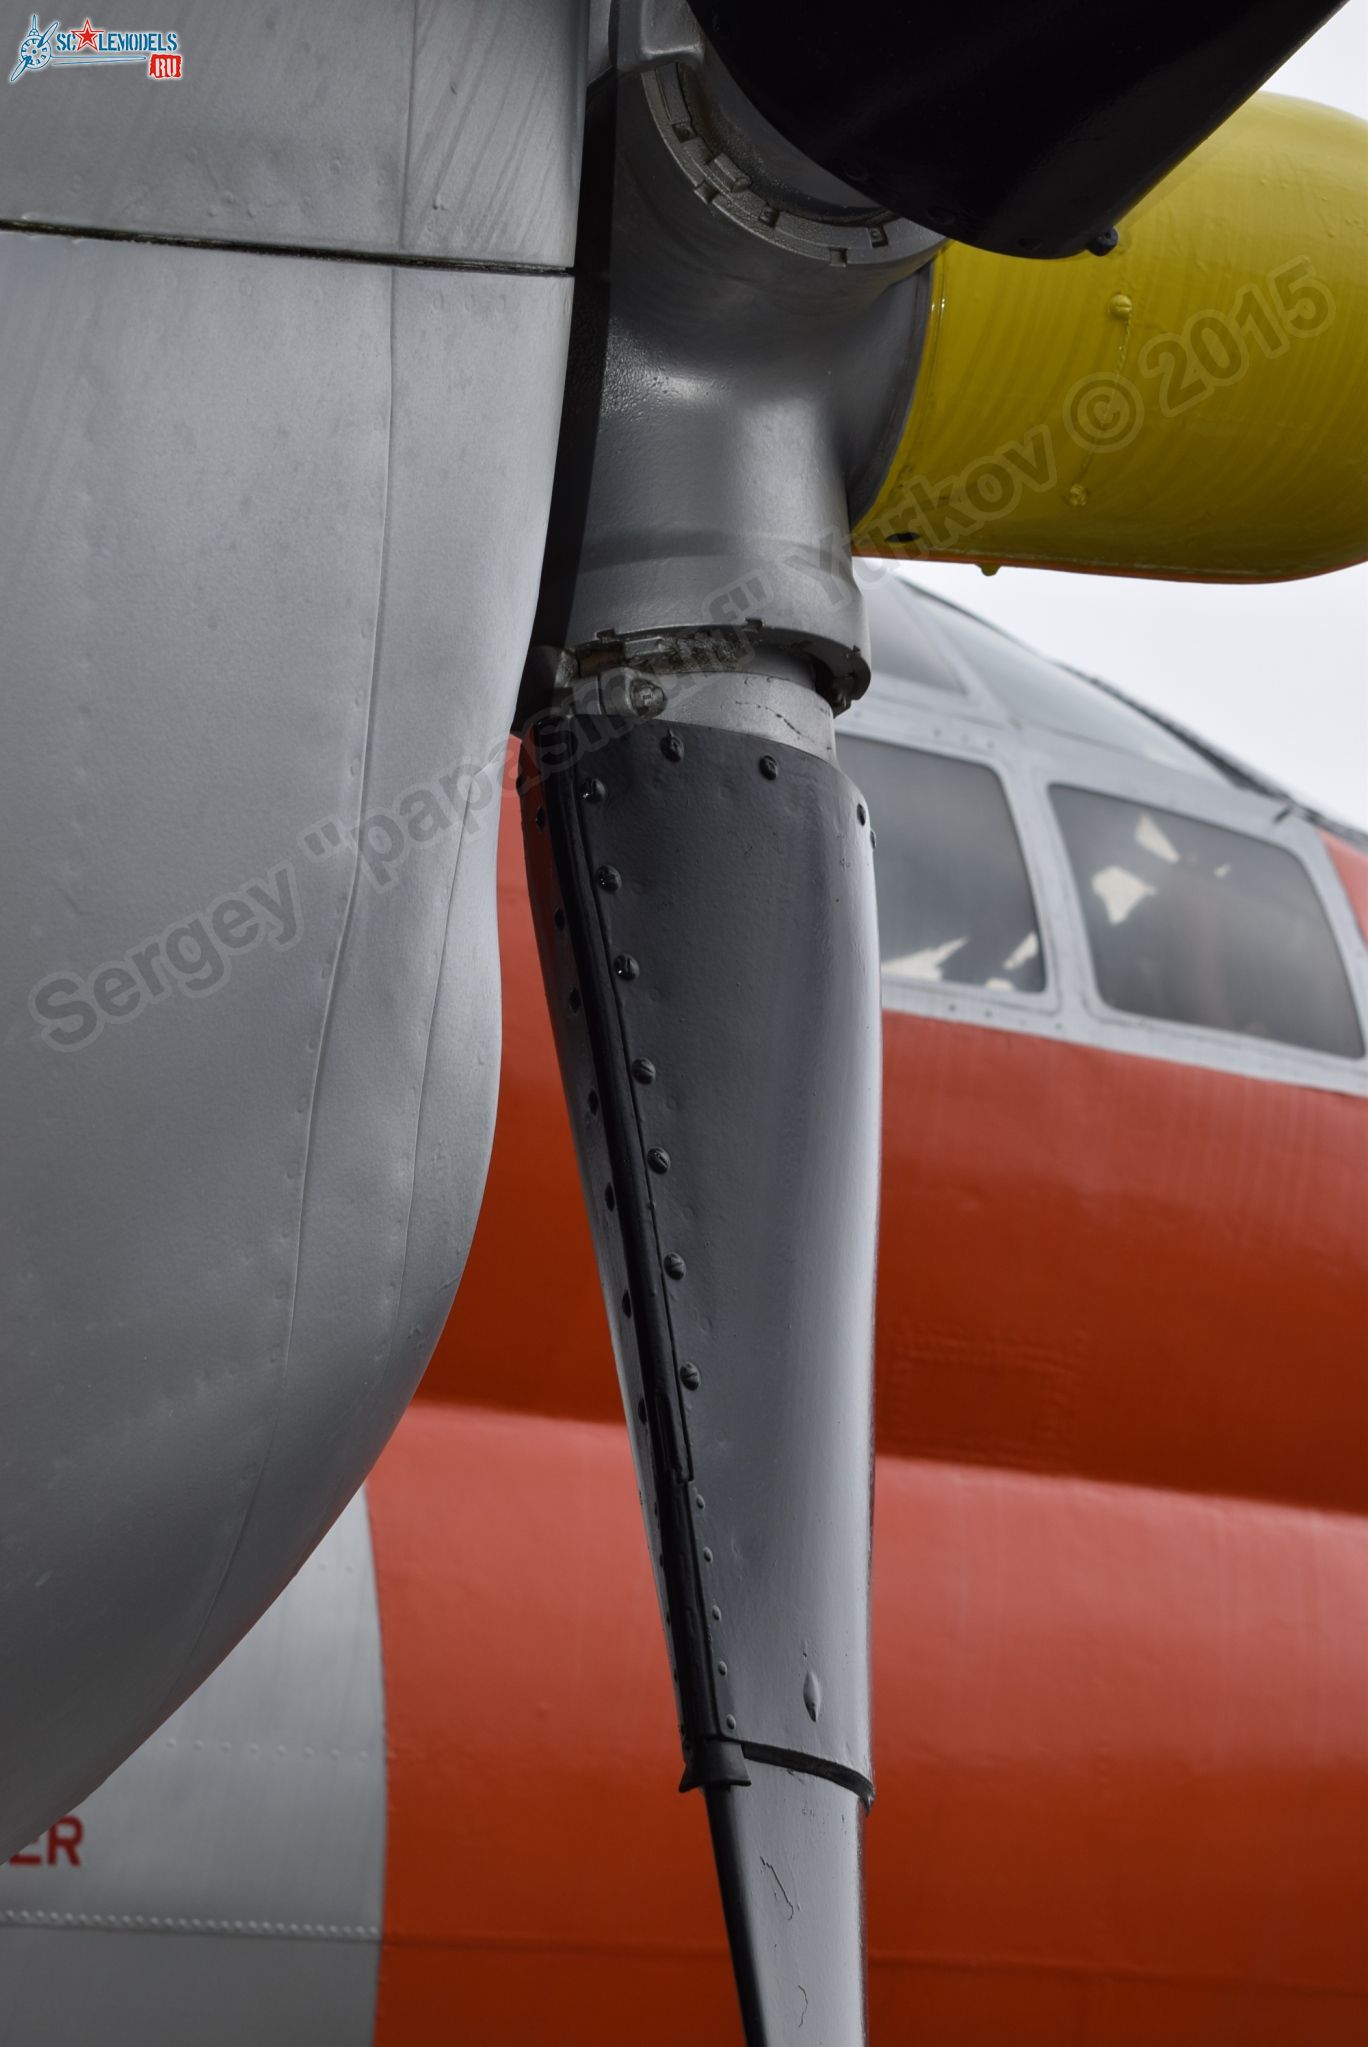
(705, 911)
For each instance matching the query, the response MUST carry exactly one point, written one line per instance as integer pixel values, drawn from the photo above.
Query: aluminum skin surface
(227, 1881)
(268, 563)
(445, 130)
(728, 397)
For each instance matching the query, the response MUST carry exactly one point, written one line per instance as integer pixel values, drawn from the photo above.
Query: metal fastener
(674, 1265)
(769, 767)
(625, 967)
(609, 880)
(690, 1377)
(658, 1159)
(647, 698)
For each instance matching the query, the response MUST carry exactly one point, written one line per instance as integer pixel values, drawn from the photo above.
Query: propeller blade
(705, 916)
(1025, 128)
(788, 1851)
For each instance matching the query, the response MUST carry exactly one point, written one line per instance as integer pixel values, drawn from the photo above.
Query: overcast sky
(1277, 673)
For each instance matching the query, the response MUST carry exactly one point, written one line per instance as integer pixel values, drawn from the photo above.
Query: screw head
(675, 1267)
(672, 746)
(644, 1071)
(862, 813)
(769, 767)
(658, 1159)
(593, 790)
(647, 698)
(609, 880)
(625, 967)
(1102, 244)
(690, 1378)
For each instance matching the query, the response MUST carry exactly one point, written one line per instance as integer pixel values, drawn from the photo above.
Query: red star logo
(86, 39)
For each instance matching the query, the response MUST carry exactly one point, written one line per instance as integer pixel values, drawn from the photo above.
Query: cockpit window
(1199, 925)
(1034, 691)
(955, 905)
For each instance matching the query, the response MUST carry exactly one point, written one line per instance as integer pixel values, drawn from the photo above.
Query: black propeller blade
(704, 910)
(1024, 126)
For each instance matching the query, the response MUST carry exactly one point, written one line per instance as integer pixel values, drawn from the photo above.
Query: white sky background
(1276, 673)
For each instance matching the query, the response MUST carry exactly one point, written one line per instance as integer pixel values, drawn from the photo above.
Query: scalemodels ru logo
(56, 47)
